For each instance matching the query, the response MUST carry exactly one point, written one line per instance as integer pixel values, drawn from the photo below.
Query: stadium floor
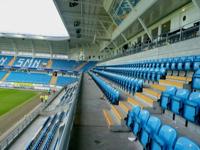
(23, 105)
(90, 130)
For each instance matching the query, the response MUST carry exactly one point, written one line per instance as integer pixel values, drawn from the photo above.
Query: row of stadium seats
(182, 102)
(89, 65)
(4, 60)
(62, 81)
(37, 78)
(64, 64)
(128, 84)
(47, 132)
(151, 74)
(112, 94)
(177, 63)
(29, 62)
(2, 74)
(155, 136)
(52, 132)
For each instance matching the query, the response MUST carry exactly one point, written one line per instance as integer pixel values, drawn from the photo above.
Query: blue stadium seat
(184, 143)
(131, 116)
(174, 63)
(37, 78)
(168, 63)
(196, 80)
(140, 121)
(111, 94)
(149, 130)
(189, 63)
(192, 108)
(62, 81)
(166, 97)
(163, 62)
(178, 100)
(165, 139)
(196, 63)
(2, 74)
(181, 63)
(4, 60)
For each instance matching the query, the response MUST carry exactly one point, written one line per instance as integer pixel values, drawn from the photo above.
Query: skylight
(39, 18)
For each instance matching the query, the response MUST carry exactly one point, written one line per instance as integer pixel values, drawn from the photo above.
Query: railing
(65, 138)
(162, 40)
(10, 137)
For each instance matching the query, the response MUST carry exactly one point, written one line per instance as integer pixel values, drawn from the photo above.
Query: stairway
(12, 61)
(78, 68)
(116, 115)
(5, 77)
(49, 64)
(53, 80)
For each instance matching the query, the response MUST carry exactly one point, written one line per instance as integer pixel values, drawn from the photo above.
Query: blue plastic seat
(192, 107)
(196, 63)
(131, 116)
(196, 80)
(174, 63)
(168, 63)
(160, 74)
(149, 130)
(166, 97)
(181, 63)
(141, 120)
(163, 63)
(138, 85)
(189, 63)
(184, 143)
(165, 139)
(178, 100)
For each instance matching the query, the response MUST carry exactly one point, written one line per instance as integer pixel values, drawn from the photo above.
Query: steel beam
(141, 22)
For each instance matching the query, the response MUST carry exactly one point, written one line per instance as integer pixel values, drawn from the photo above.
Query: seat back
(171, 90)
(196, 80)
(188, 63)
(144, 116)
(168, 135)
(196, 64)
(184, 143)
(183, 94)
(192, 107)
(154, 124)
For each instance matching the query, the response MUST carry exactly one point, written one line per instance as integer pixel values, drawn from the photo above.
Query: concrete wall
(184, 48)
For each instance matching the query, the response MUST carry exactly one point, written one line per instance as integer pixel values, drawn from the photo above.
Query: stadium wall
(183, 48)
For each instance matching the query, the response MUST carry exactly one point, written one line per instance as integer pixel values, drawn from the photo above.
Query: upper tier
(44, 63)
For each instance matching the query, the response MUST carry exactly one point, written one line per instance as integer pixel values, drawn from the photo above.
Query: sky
(36, 17)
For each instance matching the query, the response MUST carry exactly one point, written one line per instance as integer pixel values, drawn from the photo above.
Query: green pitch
(11, 98)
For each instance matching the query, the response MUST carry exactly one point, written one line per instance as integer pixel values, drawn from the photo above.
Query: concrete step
(158, 87)
(149, 101)
(151, 93)
(125, 105)
(134, 102)
(5, 76)
(181, 78)
(119, 113)
(113, 123)
(171, 83)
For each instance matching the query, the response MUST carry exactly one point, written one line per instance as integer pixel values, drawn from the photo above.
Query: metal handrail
(65, 138)
(161, 40)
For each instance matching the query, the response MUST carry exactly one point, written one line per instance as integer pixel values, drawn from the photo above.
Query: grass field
(11, 98)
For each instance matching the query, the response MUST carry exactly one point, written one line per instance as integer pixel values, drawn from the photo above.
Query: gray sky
(37, 17)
